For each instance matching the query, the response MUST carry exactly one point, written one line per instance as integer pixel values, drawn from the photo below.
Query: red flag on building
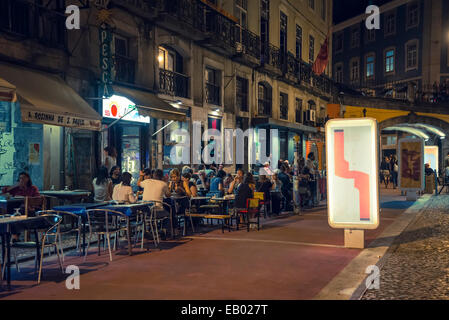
(321, 61)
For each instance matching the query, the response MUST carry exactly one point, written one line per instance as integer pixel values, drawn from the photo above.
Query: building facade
(148, 68)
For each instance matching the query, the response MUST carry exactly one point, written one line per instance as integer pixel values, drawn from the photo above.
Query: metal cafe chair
(32, 205)
(70, 223)
(157, 214)
(49, 226)
(252, 207)
(53, 231)
(104, 222)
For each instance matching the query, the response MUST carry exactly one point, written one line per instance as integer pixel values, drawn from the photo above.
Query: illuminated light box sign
(117, 106)
(352, 166)
(431, 156)
(411, 164)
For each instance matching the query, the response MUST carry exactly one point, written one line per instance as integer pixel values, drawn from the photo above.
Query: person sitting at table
(265, 187)
(236, 182)
(251, 181)
(228, 180)
(202, 182)
(175, 186)
(244, 192)
(155, 188)
(216, 185)
(102, 186)
(188, 185)
(123, 191)
(23, 187)
(115, 175)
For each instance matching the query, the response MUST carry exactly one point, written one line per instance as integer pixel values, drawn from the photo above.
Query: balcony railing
(28, 20)
(213, 94)
(221, 28)
(173, 83)
(402, 90)
(271, 55)
(249, 41)
(264, 108)
(124, 69)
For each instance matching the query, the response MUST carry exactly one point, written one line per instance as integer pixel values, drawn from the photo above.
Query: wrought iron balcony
(173, 83)
(272, 56)
(264, 108)
(213, 94)
(249, 41)
(124, 69)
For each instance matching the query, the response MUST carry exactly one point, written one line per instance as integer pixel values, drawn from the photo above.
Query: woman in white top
(110, 157)
(102, 186)
(123, 190)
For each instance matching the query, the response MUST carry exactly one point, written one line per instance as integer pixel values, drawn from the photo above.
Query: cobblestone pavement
(417, 267)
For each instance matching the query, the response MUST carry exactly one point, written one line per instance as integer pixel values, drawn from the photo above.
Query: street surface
(292, 257)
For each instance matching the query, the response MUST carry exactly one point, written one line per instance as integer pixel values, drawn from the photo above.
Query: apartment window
(213, 86)
(311, 49)
(355, 70)
(412, 15)
(412, 55)
(264, 99)
(166, 59)
(390, 23)
(298, 42)
(312, 4)
(241, 8)
(242, 94)
(339, 42)
(339, 73)
(389, 60)
(14, 17)
(370, 35)
(298, 115)
(283, 32)
(124, 65)
(323, 10)
(355, 38)
(283, 105)
(370, 63)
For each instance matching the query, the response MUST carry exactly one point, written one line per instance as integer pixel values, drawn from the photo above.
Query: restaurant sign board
(411, 164)
(352, 181)
(58, 119)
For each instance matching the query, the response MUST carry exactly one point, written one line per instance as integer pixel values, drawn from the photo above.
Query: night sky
(346, 9)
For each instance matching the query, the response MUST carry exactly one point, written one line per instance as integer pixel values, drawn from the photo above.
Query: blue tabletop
(80, 208)
(128, 209)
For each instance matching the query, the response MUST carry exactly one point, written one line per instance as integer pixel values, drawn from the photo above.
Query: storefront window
(171, 138)
(131, 151)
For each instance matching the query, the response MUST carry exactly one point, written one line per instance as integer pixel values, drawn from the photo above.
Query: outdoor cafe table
(11, 225)
(80, 209)
(66, 195)
(8, 204)
(129, 210)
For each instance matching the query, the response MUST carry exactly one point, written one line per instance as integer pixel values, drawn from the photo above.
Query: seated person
(24, 187)
(203, 181)
(154, 189)
(236, 182)
(265, 187)
(227, 181)
(175, 186)
(102, 186)
(115, 175)
(188, 185)
(123, 191)
(216, 185)
(244, 193)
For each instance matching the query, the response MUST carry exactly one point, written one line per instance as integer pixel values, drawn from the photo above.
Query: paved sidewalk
(292, 257)
(417, 265)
